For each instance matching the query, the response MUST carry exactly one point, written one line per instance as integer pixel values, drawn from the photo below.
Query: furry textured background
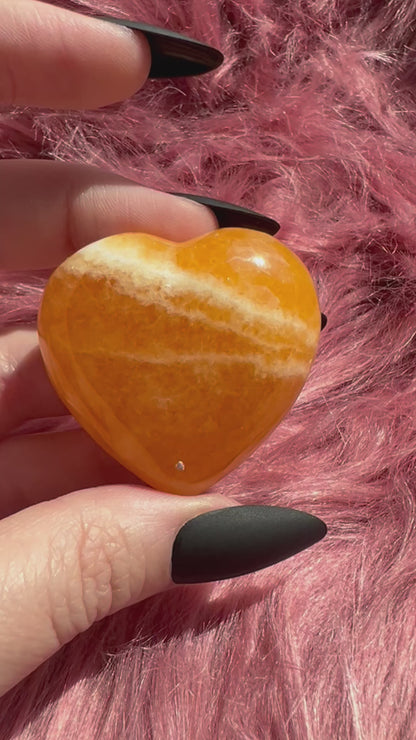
(310, 120)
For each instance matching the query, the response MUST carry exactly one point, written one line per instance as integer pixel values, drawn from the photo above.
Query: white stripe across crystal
(283, 368)
(134, 269)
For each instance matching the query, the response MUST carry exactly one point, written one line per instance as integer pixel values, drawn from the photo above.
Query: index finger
(56, 58)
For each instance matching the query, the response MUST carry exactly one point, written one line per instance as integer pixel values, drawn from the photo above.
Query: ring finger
(25, 390)
(55, 464)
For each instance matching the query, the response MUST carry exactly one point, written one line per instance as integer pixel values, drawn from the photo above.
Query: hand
(79, 539)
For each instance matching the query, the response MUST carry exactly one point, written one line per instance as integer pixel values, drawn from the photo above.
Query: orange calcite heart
(179, 359)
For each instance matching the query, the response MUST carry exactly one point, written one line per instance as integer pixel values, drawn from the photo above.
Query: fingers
(50, 209)
(68, 563)
(40, 467)
(51, 57)
(25, 389)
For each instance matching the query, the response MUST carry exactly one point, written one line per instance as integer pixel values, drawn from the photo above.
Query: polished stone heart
(179, 359)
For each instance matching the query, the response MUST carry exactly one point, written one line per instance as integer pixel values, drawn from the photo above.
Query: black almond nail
(173, 55)
(241, 539)
(230, 215)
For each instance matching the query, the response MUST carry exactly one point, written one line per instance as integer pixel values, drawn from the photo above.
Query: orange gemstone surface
(179, 359)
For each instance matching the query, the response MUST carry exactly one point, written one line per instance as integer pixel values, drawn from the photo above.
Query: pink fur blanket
(310, 120)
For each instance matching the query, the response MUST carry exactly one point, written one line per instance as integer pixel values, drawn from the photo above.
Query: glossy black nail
(173, 55)
(230, 215)
(324, 321)
(241, 539)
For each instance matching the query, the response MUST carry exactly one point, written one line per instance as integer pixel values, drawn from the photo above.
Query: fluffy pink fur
(311, 120)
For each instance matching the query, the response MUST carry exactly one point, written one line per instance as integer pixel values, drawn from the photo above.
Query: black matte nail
(173, 55)
(324, 321)
(226, 543)
(230, 215)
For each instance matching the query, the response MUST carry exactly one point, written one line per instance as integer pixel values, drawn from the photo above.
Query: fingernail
(173, 55)
(324, 321)
(230, 215)
(226, 543)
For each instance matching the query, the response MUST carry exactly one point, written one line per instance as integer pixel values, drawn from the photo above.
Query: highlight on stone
(179, 359)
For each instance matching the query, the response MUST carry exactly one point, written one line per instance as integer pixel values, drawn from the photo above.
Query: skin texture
(312, 120)
(78, 539)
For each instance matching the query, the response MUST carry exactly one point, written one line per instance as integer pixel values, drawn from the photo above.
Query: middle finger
(49, 209)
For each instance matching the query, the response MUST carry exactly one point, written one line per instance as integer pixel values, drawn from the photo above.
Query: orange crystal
(179, 359)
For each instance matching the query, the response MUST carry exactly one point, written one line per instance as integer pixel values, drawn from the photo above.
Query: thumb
(67, 563)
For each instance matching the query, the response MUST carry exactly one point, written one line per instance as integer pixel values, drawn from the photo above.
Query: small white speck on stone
(180, 466)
